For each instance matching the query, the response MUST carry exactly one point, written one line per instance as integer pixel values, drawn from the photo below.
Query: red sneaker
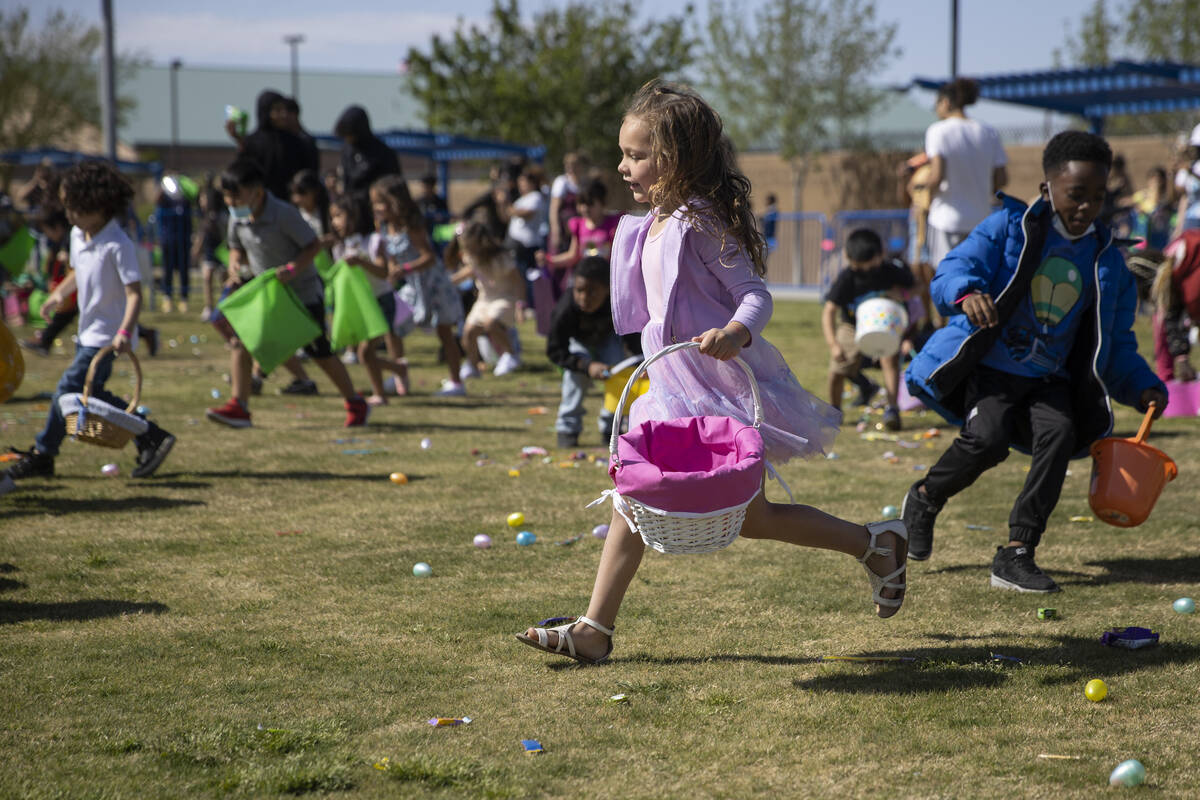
(231, 414)
(357, 412)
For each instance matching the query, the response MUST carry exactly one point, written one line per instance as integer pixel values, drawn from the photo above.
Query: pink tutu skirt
(689, 384)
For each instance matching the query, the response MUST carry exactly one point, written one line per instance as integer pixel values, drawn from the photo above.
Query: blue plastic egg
(143, 411)
(216, 394)
(890, 512)
(526, 538)
(1184, 605)
(422, 570)
(600, 531)
(1128, 773)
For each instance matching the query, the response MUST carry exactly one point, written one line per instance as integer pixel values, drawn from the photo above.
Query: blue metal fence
(806, 250)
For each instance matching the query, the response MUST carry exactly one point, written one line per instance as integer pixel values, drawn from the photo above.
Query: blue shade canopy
(442, 147)
(1095, 93)
(65, 158)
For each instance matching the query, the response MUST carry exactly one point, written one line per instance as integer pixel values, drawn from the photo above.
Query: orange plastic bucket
(1128, 475)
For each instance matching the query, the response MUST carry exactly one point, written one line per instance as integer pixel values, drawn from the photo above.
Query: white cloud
(374, 40)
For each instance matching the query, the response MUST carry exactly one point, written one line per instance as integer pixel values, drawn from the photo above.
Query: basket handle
(91, 374)
(1144, 430)
(641, 370)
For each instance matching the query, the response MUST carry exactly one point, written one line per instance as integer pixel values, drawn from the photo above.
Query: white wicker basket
(678, 531)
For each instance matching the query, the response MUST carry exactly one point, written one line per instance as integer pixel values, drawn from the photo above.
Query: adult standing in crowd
(365, 159)
(967, 168)
(279, 152)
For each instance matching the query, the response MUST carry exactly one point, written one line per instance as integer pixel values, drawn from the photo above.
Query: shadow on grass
(954, 667)
(24, 506)
(1057, 574)
(290, 475)
(74, 610)
(1185, 569)
(667, 661)
(413, 427)
(8, 585)
(161, 484)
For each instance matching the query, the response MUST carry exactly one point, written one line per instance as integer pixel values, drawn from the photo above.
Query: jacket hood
(354, 122)
(262, 108)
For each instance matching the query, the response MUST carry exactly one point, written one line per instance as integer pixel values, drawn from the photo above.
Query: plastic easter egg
(426, 444)
(482, 541)
(422, 570)
(514, 473)
(216, 394)
(600, 531)
(172, 343)
(143, 411)
(110, 470)
(1096, 690)
(516, 519)
(1184, 605)
(526, 538)
(1128, 773)
(194, 339)
(890, 512)
(398, 478)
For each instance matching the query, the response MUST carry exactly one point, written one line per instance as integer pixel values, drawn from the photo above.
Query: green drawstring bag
(15, 252)
(270, 320)
(222, 253)
(36, 298)
(357, 316)
(325, 266)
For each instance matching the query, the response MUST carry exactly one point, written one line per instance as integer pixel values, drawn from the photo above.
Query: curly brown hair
(699, 171)
(395, 188)
(96, 186)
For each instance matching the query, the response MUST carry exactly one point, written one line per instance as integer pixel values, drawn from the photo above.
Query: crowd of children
(1037, 301)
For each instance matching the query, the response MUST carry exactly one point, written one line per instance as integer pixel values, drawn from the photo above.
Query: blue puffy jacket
(1000, 258)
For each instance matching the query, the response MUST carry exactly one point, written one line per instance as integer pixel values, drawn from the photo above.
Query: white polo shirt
(103, 267)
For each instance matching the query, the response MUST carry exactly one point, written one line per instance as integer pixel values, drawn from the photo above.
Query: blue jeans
(49, 440)
(575, 386)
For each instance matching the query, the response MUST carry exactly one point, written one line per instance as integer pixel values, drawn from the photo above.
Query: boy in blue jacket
(1038, 344)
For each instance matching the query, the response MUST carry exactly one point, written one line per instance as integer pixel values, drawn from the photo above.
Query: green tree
(49, 77)
(1094, 42)
(796, 77)
(561, 79)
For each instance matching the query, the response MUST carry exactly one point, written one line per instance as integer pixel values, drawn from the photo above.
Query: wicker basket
(678, 531)
(95, 429)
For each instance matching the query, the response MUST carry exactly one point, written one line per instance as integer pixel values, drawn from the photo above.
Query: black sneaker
(300, 386)
(891, 419)
(1013, 568)
(919, 514)
(568, 440)
(866, 392)
(256, 384)
(153, 446)
(32, 464)
(35, 345)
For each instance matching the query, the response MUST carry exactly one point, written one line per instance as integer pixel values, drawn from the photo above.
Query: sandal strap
(591, 623)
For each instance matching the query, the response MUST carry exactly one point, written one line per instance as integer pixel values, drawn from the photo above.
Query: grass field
(246, 623)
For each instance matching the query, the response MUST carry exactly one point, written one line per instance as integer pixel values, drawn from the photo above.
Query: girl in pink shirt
(591, 232)
(691, 271)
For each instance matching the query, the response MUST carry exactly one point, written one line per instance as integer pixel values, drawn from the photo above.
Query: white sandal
(880, 582)
(542, 642)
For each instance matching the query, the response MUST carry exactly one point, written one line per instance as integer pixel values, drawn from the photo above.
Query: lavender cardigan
(704, 294)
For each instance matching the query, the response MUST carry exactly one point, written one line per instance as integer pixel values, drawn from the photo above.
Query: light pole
(108, 83)
(294, 41)
(175, 65)
(953, 39)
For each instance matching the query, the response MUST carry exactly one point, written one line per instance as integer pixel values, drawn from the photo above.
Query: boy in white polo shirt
(106, 276)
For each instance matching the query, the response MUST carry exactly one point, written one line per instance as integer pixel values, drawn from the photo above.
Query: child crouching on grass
(106, 276)
(1038, 343)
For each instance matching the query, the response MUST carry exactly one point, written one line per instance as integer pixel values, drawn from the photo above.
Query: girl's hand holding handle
(723, 343)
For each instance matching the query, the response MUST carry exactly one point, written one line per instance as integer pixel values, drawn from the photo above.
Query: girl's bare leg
(470, 344)
(498, 335)
(623, 550)
(453, 352)
(371, 361)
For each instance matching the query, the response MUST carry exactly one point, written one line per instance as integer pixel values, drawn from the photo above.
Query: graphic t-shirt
(1038, 337)
(595, 241)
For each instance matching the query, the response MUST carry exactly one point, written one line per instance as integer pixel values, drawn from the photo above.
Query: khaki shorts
(844, 334)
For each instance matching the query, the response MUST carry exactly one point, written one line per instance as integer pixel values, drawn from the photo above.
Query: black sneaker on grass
(32, 464)
(153, 446)
(300, 386)
(1013, 568)
(568, 440)
(919, 514)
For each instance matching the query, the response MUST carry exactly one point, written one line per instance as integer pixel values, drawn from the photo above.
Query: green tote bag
(269, 319)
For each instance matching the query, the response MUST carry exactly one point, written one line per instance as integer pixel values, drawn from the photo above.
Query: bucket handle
(1144, 430)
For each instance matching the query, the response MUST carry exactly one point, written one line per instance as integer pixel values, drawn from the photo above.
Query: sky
(373, 35)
